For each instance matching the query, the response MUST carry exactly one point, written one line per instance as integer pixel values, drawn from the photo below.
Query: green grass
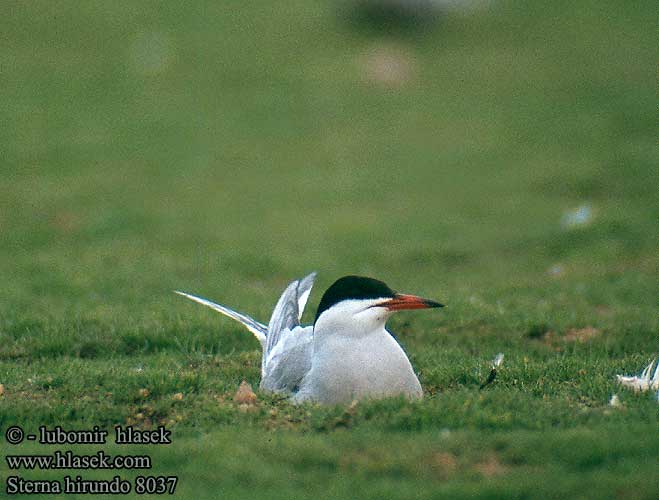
(227, 149)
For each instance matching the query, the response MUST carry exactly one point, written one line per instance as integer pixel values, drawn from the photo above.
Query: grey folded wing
(289, 361)
(287, 313)
(287, 347)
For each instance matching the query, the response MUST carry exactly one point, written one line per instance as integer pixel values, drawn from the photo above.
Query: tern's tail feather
(258, 329)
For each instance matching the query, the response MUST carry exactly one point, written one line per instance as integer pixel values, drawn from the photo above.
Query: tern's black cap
(353, 287)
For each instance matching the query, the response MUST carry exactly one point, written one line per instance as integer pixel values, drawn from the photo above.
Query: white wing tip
(190, 296)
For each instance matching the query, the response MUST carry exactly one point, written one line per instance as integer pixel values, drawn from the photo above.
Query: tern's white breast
(345, 368)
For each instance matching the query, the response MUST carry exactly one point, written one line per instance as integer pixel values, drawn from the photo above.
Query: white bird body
(354, 357)
(346, 355)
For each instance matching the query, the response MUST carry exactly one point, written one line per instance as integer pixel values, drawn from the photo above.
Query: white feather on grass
(615, 401)
(647, 380)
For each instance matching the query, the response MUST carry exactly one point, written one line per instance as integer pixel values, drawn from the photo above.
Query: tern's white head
(355, 305)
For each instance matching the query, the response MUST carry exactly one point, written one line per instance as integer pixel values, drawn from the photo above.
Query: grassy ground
(225, 150)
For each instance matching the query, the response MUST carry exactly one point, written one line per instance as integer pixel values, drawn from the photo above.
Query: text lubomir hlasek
(122, 435)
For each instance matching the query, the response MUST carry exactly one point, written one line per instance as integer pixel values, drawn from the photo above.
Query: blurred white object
(614, 401)
(388, 65)
(580, 216)
(498, 359)
(646, 381)
(496, 363)
(556, 270)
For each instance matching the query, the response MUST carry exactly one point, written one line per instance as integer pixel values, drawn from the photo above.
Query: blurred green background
(500, 158)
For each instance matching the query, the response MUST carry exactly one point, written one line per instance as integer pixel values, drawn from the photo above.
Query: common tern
(347, 353)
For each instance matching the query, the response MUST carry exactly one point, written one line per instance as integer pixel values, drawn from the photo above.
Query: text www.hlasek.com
(67, 460)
